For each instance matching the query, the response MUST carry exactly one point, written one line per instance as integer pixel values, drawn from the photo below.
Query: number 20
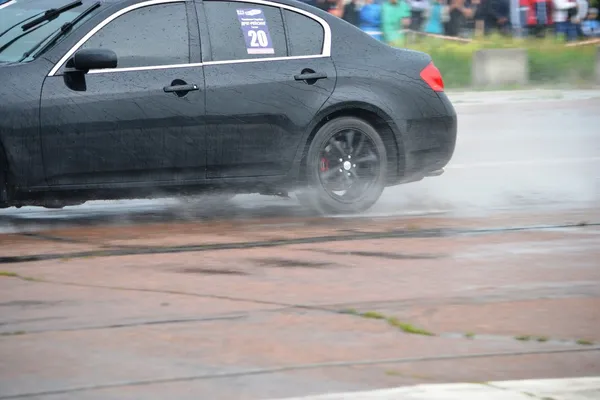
(258, 38)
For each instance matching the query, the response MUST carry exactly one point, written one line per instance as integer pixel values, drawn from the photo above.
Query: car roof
(58, 3)
(293, 3)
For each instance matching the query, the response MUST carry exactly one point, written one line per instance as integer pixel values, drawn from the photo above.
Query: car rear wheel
(345, 167)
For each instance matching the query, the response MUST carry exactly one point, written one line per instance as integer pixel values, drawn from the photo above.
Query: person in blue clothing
(435, 23)
(591, 26)
(370, 19)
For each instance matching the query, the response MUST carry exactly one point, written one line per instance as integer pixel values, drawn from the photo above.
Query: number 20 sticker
(256, 32)
(258, 38)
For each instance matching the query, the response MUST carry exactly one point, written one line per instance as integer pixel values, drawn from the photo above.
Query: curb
(527, 95)
(563, 389)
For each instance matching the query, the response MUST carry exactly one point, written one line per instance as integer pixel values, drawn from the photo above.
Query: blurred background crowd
(389, 20)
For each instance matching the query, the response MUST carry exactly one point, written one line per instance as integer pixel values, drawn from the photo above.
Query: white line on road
(564, 389)
(549, 161)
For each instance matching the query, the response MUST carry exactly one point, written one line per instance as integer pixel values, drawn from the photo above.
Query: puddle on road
(212, 271)
(285, 263)
(390, 256)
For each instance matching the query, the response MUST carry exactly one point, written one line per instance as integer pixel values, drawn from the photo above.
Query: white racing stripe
(555, 161)
(586, 388)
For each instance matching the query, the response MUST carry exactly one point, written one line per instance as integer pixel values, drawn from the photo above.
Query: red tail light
(432, 76)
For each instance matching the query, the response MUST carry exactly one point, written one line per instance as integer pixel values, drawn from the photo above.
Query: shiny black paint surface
(257, 114)
(142, 134)
(247, 127)
(20, 87)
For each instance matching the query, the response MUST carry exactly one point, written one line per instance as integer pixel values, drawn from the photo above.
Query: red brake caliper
(324, 164)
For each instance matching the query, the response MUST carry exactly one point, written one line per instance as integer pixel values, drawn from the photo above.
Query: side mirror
(87, 59)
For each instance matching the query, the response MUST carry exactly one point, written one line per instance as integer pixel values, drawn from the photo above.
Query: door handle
(180, 88)
(310, 76)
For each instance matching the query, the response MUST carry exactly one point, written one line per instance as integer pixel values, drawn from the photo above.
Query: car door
(258, 103)
(128, 124)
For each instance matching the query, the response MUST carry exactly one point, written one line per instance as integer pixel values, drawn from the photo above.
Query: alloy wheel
(349, 164)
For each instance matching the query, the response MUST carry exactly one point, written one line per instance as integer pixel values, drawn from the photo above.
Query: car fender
(344, 99)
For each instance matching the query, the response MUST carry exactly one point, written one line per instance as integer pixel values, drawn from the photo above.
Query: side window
(240, 31)
(147, 36)
(305, 35)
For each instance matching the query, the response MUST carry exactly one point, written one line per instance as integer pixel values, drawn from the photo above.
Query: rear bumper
(428, 144)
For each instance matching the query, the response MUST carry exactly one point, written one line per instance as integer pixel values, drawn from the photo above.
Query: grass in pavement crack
(411, 329)
(9, 274)
(524, 338)
(392, 321)
(15, 333)
(541, 339)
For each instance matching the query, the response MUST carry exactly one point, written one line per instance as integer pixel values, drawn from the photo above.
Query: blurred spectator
(370, 19)
(437, 15)
(564, 11)
(395, 16)
(324, 5)
(495, 15)
(543, 17)
(472, 6)
(352, 12)
(336, 7)
(591, 26)
(459, 12)
(418, 8)
(535, 16)
(582, 12)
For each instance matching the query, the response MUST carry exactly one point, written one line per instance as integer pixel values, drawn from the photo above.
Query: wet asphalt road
(529, 150)
(264, 308)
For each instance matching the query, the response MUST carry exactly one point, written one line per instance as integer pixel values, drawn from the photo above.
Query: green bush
(550, 61)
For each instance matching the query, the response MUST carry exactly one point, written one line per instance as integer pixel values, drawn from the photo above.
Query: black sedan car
(138, 98)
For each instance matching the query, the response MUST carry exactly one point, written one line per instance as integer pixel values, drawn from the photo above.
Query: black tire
(363, 177)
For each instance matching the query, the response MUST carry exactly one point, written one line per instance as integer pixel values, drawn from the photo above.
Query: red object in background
(432, 76)
(532, 18)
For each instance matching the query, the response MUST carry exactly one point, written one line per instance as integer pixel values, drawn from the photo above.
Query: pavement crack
(284, 306)
(53, 238)
(325, 308)
(378, 254)
(394, 234)
(130, 324)
(219, 246)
